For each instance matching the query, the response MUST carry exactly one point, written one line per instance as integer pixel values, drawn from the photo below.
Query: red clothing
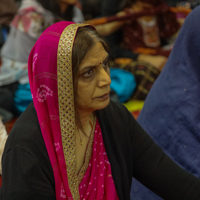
(142, 34)
(98, 182)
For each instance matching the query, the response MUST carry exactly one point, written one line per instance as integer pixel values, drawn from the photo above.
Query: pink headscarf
(50, 77)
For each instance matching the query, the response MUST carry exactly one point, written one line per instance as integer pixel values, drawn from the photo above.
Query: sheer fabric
(50, 77)
(98, 182)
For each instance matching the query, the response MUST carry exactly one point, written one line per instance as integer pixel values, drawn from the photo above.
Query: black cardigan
(27, 172)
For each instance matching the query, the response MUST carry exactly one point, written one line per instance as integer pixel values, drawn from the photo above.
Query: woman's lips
(105, 96)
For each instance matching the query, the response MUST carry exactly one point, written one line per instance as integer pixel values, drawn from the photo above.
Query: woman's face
(93, 86)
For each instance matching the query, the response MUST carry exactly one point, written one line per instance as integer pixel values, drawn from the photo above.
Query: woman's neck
(86, 119)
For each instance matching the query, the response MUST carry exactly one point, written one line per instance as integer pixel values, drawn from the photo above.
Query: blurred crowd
(139, 46)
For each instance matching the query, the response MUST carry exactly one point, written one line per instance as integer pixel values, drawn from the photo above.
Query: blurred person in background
(143, 38)
(32, 18)
(72, 142)
(171, 110)
(3, 138)
(91, 9)
(140, 41)
(8, 9)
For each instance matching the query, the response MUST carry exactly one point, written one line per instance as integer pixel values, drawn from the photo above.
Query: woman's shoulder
(115, 113)
(26, 133)
(116, 108)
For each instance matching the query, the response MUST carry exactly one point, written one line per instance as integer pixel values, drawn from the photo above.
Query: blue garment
(171, 113)
(22, 97)
(123, 83)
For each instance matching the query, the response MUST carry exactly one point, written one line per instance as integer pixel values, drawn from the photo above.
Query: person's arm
(109, 28)
(25, 178)
(156, 60)
(154, 169)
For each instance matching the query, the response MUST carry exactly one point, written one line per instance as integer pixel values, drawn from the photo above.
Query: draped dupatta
(50, 77)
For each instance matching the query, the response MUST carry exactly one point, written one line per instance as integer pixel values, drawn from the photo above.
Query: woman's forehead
(95, 55)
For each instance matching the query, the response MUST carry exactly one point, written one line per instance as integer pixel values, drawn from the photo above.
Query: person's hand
(157, 61)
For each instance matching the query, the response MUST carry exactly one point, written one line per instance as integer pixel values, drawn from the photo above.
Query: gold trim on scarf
(66, 104)
(87, 155)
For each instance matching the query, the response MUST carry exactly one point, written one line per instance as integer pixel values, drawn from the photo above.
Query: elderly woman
(72, 142)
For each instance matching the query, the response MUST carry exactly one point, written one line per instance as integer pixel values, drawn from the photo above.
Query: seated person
(74, 143)
(171, 111)
(142, 38)
(7, 12)
(8, 9)
(32, 18)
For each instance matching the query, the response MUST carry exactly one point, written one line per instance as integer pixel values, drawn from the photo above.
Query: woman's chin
(103, 104)
(93, 106)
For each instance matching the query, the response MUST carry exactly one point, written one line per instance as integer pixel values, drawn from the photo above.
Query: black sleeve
(25, 178)
(154, 169)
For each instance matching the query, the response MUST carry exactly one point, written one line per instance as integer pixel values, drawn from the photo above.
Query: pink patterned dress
(98, 181)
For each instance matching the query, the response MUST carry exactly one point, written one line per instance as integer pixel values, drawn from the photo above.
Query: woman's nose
(104, 77)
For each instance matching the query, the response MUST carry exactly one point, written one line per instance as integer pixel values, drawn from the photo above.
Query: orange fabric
(149, 51)
(183, 10)
(123, 61)
(104, 20)
(98, 21)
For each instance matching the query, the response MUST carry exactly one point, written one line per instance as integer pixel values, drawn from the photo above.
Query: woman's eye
(105, 64)
(88, 73)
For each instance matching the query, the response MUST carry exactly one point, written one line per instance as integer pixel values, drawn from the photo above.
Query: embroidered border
(66, 104)
(87, 155)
